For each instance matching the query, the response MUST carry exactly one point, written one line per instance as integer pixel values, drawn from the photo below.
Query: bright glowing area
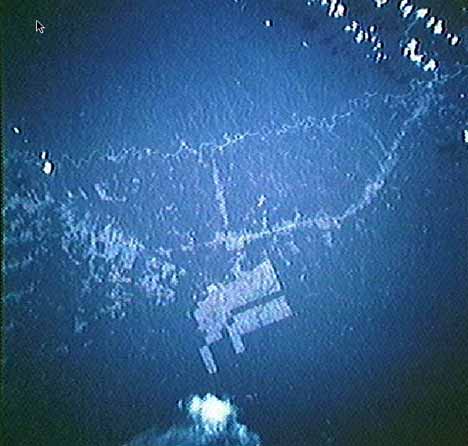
(212, 421)
(210, 411)
(214, 410)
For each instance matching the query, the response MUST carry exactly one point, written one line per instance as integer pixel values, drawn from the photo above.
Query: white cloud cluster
(335, 8)
(435, 24)
(413, 52)
(369, 35)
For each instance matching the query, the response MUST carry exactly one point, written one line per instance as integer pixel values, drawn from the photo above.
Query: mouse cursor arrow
(39, 27)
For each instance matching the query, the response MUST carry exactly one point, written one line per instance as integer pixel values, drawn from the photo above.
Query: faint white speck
(62, 349)
(79, 325)
(261, 201)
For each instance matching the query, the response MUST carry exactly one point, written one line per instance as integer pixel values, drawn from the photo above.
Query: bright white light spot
(214, 410)
(340, 11)
(268, 23)
(336, 8)
(430, 22)
(454, 40)
(43, 155)
(354, 26)
(421, 13)
(359, 37)
(16, 130)
(47, 167)
(403, 3)
(210, 411)
(416, 58)
(439, 27)
(379, 57)
(380, 3)
(465, 136)
(407, 10)
(431, 65)
(413, 45)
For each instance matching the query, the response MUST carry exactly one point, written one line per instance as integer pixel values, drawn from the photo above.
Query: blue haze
(106, 257)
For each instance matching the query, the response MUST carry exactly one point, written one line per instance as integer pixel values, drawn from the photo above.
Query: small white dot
(16, 130)
(47, 167)
(454, 40)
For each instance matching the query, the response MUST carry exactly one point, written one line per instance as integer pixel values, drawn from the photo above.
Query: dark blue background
(376, 352)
